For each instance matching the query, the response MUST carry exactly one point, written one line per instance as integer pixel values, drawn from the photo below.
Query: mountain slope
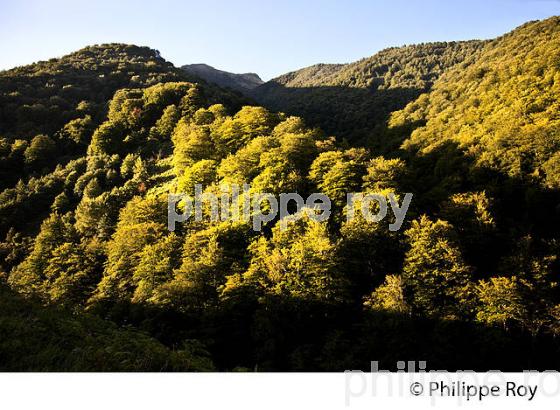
(42, 97)
(240, 82)
(351, 100)
(49, 110)
(502, 110)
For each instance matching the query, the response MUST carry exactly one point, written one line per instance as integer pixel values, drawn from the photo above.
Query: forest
(91, 278)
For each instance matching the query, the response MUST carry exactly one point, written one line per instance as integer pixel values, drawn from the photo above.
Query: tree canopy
(92, 144)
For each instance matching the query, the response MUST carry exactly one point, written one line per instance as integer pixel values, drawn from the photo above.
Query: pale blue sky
(269, 38)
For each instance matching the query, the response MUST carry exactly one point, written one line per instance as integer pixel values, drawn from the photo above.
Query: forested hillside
(502, 110)
(353, 100)
(469, 282)
(50, 109)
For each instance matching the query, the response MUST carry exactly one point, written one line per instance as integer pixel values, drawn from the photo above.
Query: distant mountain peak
(240, 82)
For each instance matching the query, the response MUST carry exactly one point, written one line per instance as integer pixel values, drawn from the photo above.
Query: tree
(78, 131)
(28, 276)
(500, 301)
(389, 297)
(40, 151)
(73, 271)
(192, 143)
(155, 267)
(141, 223)
(92, 189)
(208, 257)
(552, 171)
(368, 250)
(535, 265)
(337, 173)
(163, 129)
(127, 166)
(300, 262)
(61, 203)
(245, 164)
(248, 123)
(434, 270)
(202, 172)
(471, 214)
(384, 174)
(299, 149)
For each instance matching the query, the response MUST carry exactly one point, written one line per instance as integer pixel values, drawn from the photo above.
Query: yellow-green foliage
(502, 109)
(83, 212)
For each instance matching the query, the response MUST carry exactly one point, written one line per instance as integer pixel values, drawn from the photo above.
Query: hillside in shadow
(352, 100)
(354, 114)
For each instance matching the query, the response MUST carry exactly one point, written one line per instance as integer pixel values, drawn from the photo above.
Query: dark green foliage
(36, 338)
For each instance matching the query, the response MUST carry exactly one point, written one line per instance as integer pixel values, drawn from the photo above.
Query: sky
(266, 37)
